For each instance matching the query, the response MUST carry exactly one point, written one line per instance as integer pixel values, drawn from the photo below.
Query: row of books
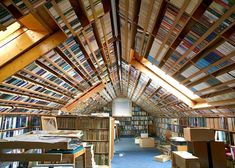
(64, 68)
(82, 123)
(72, 50)
(11, 133)
(196, 32)
(167, 120)
(12, 122)
(143, 80)
(68, 12)
(224, 49)
(215, 11)
(171, 127)
(146, 122)
(12, 98)
(95, 135)
(35, 72)
(6, 18)
(22, 6)
(140, 118)
(136, 124)
(95, 131)
(216, 123)
(102, 159)
(127, 132)
(16, 84)
(101, 147)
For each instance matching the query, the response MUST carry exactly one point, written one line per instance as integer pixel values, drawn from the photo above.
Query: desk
(42, 140)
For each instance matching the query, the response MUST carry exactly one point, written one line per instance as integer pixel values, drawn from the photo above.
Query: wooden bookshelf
(98, 131)
(16, 124)
(224, 126)
(138, 123)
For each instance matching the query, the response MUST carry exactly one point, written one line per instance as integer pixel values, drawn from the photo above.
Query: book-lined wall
(224, 127)
(140, 122)
(97, 131)
(11, 125)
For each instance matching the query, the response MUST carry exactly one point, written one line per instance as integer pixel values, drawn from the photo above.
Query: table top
(47, 136)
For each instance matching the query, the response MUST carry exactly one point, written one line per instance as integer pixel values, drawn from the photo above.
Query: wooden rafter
(208, 32)
(89, 93)
(29, 56)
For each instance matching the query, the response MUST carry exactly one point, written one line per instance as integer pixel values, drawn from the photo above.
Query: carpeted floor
(129, 155)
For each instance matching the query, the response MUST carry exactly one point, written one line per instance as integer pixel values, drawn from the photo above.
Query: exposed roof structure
(171, 57)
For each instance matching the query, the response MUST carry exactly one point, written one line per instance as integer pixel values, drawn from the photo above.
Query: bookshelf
(140, 122)
(98, 131)
(223, 126)
(6, 18)
(16, 124)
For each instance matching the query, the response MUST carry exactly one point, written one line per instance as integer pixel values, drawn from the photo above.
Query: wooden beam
(203, 37)
(144, 66)
(221, 60)
(214, 87)
(72, 81)
(199, 56)
(32, 145)
(214, 74)
(30, 93)
(12, 49)
(79, 12)
(166, 38)
(31, 157)
(220, 92)
(84, 96)
(135, 22)
(28, 57)
(214, 104)
(159, 18)
(143, 90)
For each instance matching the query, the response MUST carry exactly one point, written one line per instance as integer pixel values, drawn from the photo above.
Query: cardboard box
(182, 148)
(162, 158)
(218, 156)
(200, 149)
(144, 135)
(184, 159)
(137, 140)
(199, 134)
(147, 142)
(210, 154)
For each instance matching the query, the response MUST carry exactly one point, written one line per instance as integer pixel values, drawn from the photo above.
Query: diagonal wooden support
(33, 54)
(87, 94)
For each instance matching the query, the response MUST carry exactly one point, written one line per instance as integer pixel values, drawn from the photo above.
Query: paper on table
(37, 138)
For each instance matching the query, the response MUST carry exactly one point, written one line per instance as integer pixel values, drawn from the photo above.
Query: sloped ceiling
(93, 42)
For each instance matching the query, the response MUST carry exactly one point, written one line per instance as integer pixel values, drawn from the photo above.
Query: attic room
(117, 83)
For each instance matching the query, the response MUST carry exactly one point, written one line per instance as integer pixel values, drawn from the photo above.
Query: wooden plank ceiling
(84, 56)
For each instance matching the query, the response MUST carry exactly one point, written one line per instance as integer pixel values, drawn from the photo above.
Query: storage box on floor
(183, 159)
(137, 140)
(201, 143)
(162, 158)
(147, 142)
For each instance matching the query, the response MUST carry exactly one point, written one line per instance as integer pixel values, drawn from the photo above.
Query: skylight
(9, 30)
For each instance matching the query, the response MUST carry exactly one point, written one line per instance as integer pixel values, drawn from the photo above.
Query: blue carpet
(129, 155)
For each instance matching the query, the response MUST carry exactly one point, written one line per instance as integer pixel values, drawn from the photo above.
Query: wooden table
(41, 140)
(72, 157)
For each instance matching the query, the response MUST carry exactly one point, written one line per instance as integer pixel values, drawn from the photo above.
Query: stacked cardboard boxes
(201, 143)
